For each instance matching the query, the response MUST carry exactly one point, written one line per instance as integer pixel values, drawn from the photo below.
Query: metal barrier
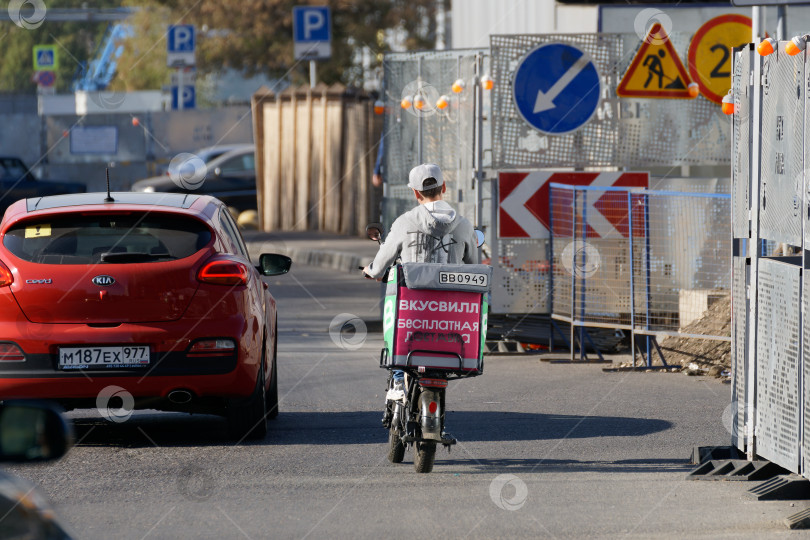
(770, 409)
(645, 261)
(453, 137)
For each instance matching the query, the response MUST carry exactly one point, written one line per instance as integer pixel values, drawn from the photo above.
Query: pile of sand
(709, 355)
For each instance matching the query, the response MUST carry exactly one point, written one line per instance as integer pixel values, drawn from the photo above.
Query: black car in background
(230, 177)
(18, 182)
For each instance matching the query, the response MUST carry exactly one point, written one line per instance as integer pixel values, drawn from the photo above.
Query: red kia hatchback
(150, 297)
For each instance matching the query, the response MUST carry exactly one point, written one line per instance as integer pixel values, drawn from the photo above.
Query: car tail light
(224, 272)
(433, 383)
(212, 347)
(9, 352)
(6, 278)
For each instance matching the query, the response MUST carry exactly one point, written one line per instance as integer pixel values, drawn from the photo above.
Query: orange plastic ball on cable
(728, 104)
(766, 46)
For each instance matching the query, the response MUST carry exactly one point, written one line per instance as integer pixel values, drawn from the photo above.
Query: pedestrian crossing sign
(656, 70)
(45, 58)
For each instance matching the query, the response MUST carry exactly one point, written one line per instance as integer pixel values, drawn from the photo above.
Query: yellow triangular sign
(656, 70)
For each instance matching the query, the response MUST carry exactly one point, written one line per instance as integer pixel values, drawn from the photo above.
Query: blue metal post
(551, 267)
(573, 274)
(649, 292)
(583, 286)
(632, 281)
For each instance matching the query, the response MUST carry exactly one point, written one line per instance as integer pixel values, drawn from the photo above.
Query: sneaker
(397, 391)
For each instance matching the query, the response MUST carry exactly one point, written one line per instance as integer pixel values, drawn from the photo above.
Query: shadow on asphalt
(359, 427)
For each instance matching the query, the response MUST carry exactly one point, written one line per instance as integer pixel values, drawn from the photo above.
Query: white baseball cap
(425, 176)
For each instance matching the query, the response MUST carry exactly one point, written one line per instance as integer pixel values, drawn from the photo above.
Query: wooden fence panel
(315, 155)
(288, 150)
(271, 219)
(303, 162)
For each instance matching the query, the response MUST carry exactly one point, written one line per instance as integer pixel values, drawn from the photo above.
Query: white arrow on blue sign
(180, 45)
(312, 32)
(556, 88)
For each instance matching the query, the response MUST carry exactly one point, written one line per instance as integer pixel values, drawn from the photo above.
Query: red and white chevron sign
(524, 206)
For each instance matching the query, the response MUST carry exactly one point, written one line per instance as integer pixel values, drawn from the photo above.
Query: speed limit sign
(710, 53)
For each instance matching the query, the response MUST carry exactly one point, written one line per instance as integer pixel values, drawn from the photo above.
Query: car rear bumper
(169, 368)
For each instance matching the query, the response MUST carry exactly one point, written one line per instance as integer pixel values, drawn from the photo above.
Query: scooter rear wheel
(396, 448)
(424, 455)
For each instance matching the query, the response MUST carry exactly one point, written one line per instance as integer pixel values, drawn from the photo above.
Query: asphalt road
(587, 453)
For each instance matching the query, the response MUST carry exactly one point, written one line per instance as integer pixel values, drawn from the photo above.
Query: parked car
(153, 293)
(230, 177)
(18, 182)
(208, 154)
(30, 431)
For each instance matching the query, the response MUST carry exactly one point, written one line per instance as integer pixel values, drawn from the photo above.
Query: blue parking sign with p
(311, 23)
(312, 32)
(188, 95)
(181, 38)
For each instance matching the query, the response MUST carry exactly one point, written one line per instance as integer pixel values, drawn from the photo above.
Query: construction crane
(101, 70)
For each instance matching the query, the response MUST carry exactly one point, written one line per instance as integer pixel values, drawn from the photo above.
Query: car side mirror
(374, 232)
(479, 237)
(273, 264)
(33, 431)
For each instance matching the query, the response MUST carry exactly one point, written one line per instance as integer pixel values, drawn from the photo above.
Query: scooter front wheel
(424, 455)
(396, 448)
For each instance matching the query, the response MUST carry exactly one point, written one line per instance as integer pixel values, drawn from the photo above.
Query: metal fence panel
(782, 153)
(520, 279)
(739, 364)
(805, 366)
(445, 137)
(686, 257)
(591, 273)
(741, 154)
(661, 268)
(630, 132)
(777, 404)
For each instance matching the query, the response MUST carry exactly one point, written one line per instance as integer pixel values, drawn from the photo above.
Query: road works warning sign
(656, 70)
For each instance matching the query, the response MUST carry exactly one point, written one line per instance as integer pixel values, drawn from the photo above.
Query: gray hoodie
(431, 232)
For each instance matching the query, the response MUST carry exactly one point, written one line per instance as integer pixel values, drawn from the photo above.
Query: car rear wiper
(133, 256)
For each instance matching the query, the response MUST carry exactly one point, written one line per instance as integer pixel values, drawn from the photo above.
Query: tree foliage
(250, 36)
(76, 42)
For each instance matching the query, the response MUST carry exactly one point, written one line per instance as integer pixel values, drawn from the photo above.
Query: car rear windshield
(118, 238)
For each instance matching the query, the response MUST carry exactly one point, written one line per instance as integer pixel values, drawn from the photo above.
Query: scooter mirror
(479, 237)
(374, 232)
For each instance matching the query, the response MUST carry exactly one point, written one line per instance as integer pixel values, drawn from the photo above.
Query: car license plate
(464, 278)
(127, 356)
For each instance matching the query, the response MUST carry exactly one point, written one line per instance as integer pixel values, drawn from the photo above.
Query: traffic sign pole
(312, 76)
(180, 89)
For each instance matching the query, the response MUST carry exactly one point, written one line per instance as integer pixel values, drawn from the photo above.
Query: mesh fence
(642, 259)
(630, 132)
(446, 137)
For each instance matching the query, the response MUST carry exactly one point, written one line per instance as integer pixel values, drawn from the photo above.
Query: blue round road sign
(556, 88)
